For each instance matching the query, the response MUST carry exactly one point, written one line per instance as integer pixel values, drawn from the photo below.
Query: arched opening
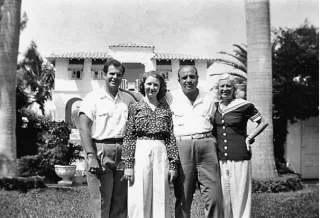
(68, 112)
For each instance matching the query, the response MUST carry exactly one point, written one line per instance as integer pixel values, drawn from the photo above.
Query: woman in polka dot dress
(149, 151)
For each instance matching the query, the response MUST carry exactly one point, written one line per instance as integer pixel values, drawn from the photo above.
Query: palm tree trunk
(9, 44)
(259, 88)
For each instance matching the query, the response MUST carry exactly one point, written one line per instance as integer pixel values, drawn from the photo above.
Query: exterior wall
(66, 88)
(135, 55)
(310, 148)
(302, 147)
(293, 147)
(203, 76)
(173, 83)
(136, 61)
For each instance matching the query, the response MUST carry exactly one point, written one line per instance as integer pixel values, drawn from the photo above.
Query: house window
(163, 62)
(97, 74)
(137, 84)
(76, 61)
(187, 62)
(97, 68)
(76, 73)
(75, 68)
(98, 61)
(124, 84)
(165, 68)
(165, 74)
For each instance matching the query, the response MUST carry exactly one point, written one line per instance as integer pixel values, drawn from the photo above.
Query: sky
(202, 27)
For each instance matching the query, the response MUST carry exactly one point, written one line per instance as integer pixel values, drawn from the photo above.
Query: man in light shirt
(103, 116)
(193, 112)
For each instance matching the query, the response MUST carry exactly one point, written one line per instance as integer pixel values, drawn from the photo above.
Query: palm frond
(239, 56)
(235, 64)
(242, 60)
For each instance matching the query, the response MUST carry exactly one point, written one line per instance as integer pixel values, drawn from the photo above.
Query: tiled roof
(132, 45)
(179, 56)
(81, 55)
(105, 55)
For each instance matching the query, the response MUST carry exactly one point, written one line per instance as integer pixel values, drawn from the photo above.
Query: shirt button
(223, 127)
(222, 121)
(224, 134)
(225, 147)
(225, 141)
(225, 154)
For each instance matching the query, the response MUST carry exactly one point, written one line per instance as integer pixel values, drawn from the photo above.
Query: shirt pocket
(178, 114)
(103, 110)
(103, 114)
(178, 118)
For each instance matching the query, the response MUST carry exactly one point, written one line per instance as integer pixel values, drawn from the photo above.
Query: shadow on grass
(73, 201)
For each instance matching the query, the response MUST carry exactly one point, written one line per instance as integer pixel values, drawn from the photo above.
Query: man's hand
(173, 174)
(93, 165)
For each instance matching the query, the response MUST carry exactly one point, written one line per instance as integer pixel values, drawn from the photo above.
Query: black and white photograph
(159, 108)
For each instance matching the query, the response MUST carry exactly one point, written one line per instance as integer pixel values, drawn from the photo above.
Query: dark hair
(115, 63)
(187, 66)
(163, 85)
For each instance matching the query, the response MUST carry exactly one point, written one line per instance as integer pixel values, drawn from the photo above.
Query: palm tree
(259, 88)
(9, 44)
(36, 76)
(238, 59)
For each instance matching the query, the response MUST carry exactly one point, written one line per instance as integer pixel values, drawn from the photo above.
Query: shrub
(54, 146)
(22, 183)
(28, 166)
(53, 149)
(283, 183)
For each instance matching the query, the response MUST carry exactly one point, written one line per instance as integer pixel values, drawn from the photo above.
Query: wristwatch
(91, 153)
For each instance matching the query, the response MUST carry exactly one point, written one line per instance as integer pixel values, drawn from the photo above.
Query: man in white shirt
(193, 112)
(103, 116)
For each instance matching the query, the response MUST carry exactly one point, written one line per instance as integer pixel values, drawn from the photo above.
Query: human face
(113, 77)
(226, 89)
(188, 79)
(151, 87)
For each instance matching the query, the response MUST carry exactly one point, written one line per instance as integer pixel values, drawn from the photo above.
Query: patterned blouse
(144, 123)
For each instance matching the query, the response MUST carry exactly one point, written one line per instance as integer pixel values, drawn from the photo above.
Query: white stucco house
(79, 73)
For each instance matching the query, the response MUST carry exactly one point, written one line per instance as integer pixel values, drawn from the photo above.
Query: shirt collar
(104, 94)
(199, 98)
(236, 103)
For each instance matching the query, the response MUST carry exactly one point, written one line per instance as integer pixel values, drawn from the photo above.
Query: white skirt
(148, 197)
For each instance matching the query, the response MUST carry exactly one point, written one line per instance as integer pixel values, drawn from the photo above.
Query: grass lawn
(57, 201)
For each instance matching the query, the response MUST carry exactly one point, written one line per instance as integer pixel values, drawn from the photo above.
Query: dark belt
(156, 136)
(108, 141)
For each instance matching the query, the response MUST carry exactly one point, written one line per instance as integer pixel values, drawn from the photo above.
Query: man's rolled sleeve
(88, 106)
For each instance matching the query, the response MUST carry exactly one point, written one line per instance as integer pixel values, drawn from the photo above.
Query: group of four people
(187, 137)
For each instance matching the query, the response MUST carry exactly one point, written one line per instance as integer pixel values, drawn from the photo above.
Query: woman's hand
(249, 141)
(173, 174)
(129, 175)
